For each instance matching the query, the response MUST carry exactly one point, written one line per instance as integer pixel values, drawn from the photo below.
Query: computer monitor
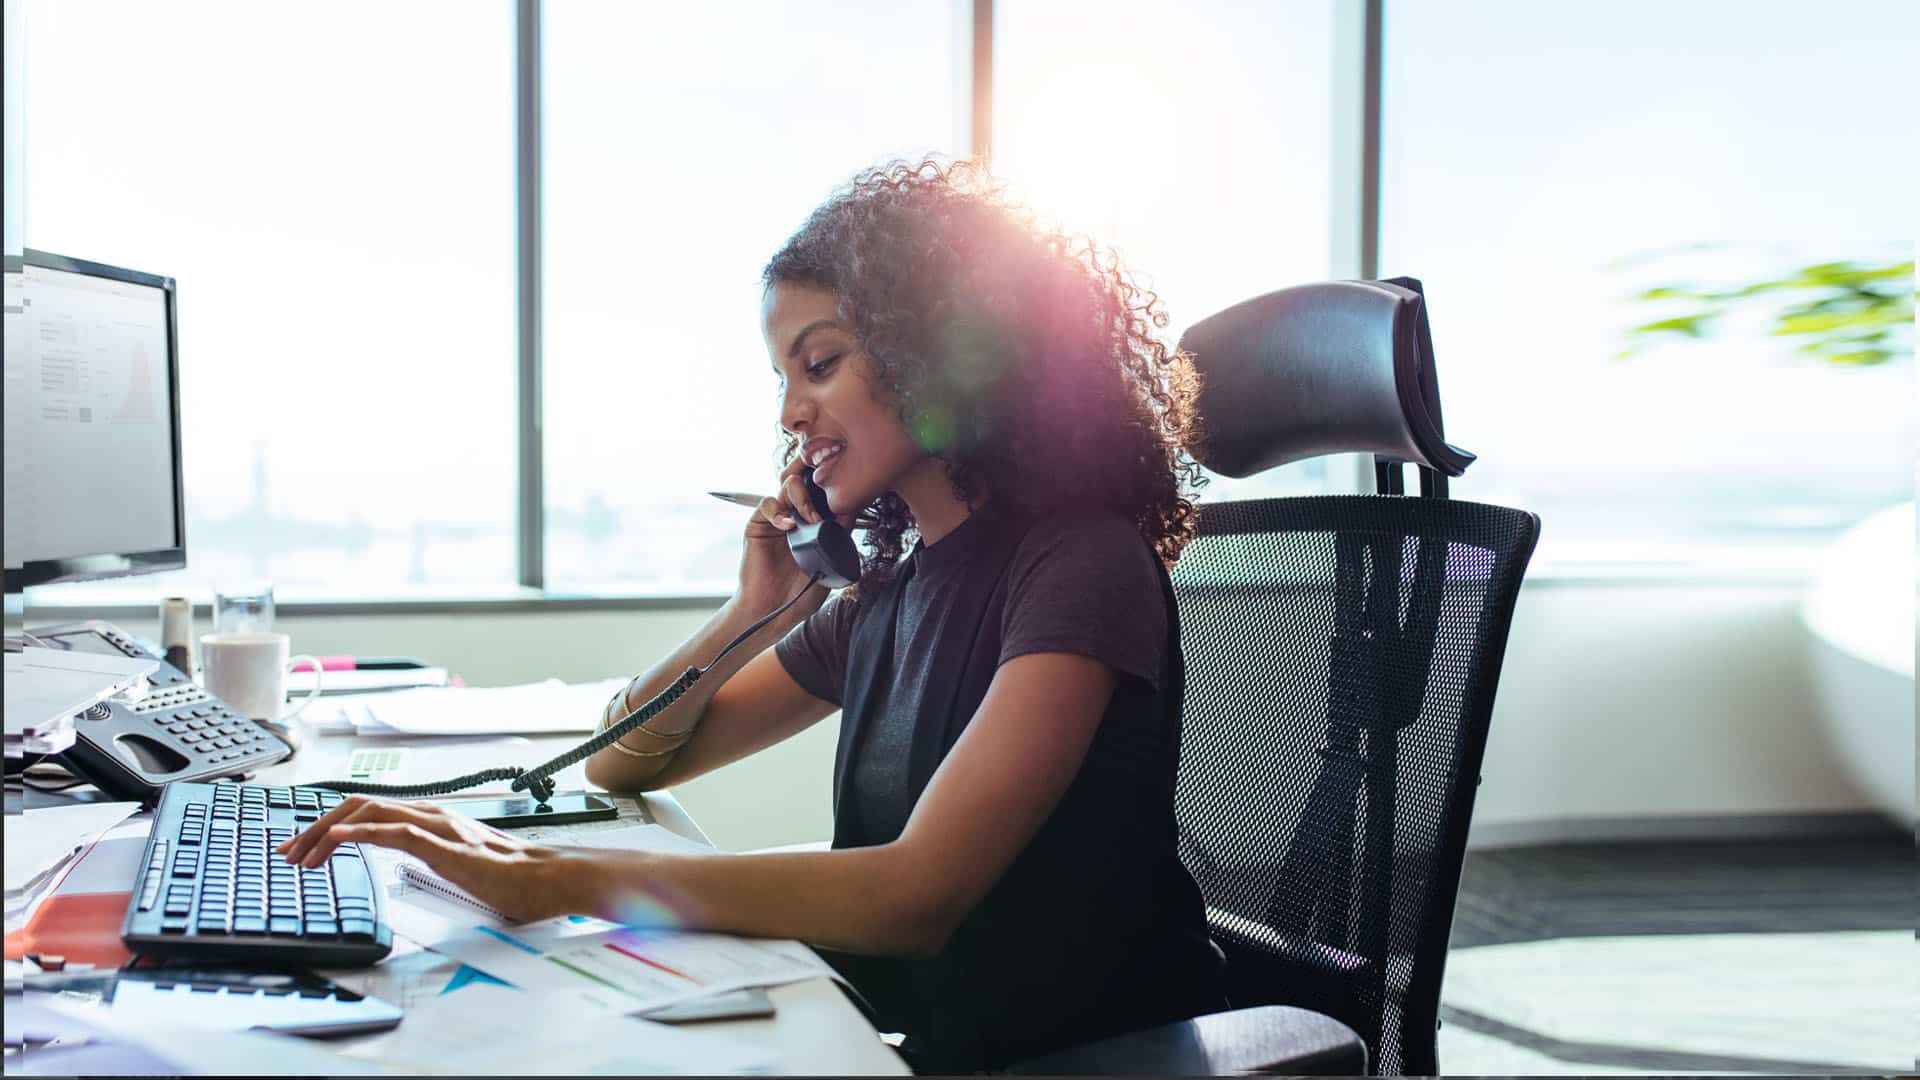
(92, 378)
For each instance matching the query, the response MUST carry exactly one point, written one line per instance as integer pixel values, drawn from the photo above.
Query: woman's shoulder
(1080, 542)
(1109, 530)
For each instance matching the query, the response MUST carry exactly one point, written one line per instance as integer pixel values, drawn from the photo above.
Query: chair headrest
(1329, 368)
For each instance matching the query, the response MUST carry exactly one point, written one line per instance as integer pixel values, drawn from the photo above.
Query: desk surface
(815, 1029)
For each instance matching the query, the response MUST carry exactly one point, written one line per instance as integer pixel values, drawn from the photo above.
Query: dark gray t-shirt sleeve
(1090, 586)
(815, 652)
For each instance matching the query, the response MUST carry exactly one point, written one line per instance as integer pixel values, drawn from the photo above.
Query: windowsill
(1702, 567)
(423, 601)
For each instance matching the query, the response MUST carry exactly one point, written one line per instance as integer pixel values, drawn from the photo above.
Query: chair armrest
(1266, 1041)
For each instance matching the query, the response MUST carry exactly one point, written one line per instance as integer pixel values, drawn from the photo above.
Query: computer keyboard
(213, 888)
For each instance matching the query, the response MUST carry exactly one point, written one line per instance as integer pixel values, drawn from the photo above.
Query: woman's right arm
(748, 701)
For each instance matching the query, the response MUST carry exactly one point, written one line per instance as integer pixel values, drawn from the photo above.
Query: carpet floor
(1740, 957)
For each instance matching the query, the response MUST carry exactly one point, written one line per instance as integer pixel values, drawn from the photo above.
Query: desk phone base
(130, 749)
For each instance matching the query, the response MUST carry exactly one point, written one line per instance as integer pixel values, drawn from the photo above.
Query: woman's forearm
(861, 900)
(617, 771)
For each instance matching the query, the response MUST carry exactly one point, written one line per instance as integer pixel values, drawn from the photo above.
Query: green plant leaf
(1860, 357)
(1690, 325)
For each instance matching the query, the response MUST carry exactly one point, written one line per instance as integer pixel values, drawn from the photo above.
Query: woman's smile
(824, 459)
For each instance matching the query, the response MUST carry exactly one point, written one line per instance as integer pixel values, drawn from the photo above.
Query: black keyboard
(212, 887)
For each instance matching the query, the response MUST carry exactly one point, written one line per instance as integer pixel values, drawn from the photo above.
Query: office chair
(1342, 654)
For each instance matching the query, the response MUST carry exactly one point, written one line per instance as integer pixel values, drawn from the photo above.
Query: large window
(684, 143)
(332, 186)
(1197, 140)
(1545, 175)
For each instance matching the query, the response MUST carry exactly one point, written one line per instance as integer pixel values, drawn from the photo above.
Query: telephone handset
(824, 547)
(176, 731)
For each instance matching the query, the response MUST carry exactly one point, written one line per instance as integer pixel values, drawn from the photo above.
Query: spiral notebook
(415, 874)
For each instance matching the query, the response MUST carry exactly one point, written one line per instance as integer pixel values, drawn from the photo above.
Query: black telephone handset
(824, 547)
(177, 731)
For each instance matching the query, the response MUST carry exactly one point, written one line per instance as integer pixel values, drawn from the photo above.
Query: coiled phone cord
(538, 780)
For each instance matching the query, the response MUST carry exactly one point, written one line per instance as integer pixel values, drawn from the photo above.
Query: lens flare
(642, 911)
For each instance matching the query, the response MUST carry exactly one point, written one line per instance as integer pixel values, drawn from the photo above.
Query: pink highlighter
(364, 663)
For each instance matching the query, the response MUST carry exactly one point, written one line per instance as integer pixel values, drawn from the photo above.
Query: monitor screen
(92, 441)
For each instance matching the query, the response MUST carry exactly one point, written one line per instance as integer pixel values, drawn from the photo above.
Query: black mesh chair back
(1342, 654)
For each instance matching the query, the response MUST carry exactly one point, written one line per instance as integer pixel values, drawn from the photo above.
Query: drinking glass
(245, 608)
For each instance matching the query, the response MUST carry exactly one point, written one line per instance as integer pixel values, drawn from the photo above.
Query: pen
(741, 498)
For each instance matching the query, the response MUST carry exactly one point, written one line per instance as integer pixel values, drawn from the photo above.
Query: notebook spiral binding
(434, 883)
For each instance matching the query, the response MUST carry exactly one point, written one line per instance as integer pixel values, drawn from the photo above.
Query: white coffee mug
(249, 672)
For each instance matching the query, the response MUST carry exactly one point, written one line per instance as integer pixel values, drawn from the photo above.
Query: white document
(39, 840)
(543, 708)
(409, 976)
(203, 1052)
(650, 967)
(109, 865)
(46, 687)
(483, 1029)
(643, 838)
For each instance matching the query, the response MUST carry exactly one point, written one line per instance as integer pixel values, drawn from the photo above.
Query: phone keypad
(164, 699)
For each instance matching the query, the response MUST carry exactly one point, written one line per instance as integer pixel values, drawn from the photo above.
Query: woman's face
(857, 445)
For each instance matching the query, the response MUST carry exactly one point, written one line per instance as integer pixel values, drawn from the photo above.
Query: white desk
(814, 1030)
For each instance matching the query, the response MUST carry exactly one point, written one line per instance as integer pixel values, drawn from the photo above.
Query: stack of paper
(46, 687)
(542, 708)
(41, 843)
(644, 969)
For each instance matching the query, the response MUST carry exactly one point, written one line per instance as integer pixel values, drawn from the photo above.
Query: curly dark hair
(1024, 358)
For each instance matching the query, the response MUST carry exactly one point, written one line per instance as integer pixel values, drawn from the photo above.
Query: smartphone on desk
(521, 813)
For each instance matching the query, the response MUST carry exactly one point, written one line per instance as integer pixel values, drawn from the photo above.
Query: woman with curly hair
(991, 397)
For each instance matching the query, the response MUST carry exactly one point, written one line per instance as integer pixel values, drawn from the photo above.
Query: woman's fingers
(793, 488)
(776, 514)
(359, 809)
(295, 848)
(400, 835)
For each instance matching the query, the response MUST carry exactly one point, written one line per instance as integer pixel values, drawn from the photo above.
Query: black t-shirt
(1082, 583)
(1096, 928)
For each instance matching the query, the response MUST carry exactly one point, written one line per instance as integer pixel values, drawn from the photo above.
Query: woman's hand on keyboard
(515, 877)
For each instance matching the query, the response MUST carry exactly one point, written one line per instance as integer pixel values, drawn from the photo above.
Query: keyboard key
(249, 924)
(357, 928)
(322, 928)
(350, 877)
(282, 925)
